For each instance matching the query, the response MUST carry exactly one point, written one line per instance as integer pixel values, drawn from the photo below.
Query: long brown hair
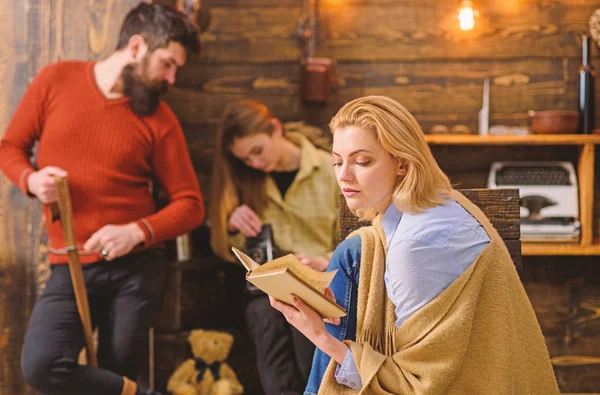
(234, 183)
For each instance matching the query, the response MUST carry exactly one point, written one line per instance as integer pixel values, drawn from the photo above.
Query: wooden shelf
(586, 145)
(540, 249)
(533, 139)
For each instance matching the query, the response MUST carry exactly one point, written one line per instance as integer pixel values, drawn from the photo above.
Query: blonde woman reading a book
(269, 173)
(434, 303)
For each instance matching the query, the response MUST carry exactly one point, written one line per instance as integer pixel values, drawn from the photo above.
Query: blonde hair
(233, 182)
(424, 185)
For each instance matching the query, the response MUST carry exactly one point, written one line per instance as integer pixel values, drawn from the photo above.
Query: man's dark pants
(123, 295)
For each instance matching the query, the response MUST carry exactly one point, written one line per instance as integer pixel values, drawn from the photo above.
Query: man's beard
(144, 94)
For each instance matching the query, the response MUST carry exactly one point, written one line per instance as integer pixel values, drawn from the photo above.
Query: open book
(282, 277)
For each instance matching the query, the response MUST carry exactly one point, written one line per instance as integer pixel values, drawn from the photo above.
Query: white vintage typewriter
(548, 198)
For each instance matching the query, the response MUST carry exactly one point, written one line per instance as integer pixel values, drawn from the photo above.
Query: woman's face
(365, 171)
(259, 151)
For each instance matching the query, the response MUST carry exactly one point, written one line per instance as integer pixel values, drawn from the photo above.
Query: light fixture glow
(466, 15)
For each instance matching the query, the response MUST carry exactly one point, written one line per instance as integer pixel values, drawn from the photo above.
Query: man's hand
(245, 220)
(41, 184)
(319, 263)
(113, 241)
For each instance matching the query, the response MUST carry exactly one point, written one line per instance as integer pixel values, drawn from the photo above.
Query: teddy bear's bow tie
(201, 368)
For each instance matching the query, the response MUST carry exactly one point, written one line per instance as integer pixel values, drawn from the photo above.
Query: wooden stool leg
(151, 358)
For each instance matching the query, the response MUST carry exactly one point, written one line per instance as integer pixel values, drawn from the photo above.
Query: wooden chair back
(501, 206)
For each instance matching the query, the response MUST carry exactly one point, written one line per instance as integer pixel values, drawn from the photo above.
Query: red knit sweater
(109, 153)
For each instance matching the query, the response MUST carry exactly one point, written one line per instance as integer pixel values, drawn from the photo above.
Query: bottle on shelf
(586, 93)
(484, 113)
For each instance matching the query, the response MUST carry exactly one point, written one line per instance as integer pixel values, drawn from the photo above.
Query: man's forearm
(15, 164)
(178, 217)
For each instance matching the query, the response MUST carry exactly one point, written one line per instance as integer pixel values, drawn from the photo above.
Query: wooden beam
(585, 174)
(588, 141)
(16, 288)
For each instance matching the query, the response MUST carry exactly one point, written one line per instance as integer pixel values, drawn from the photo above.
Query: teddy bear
(207, 373)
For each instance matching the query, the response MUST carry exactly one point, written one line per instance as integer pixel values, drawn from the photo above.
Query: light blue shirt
(426, 253)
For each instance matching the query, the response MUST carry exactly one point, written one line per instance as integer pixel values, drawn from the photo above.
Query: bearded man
(103, 126)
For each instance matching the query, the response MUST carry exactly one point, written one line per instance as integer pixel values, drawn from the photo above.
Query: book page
(318, 280)
(248, 262)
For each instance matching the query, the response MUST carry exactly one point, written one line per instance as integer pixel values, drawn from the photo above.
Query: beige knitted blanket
(479, 336)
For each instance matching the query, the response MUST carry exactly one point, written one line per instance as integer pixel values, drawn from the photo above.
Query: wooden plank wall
(413, 51)
(565, 294)
(36, 33)
(16, 288)
(407, 49)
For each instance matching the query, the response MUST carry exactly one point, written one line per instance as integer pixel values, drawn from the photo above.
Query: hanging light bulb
(466, 15)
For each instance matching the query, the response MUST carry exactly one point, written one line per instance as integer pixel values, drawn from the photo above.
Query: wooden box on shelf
(200, 293)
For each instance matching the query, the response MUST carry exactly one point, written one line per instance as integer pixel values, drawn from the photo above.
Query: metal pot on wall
(318, 79)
